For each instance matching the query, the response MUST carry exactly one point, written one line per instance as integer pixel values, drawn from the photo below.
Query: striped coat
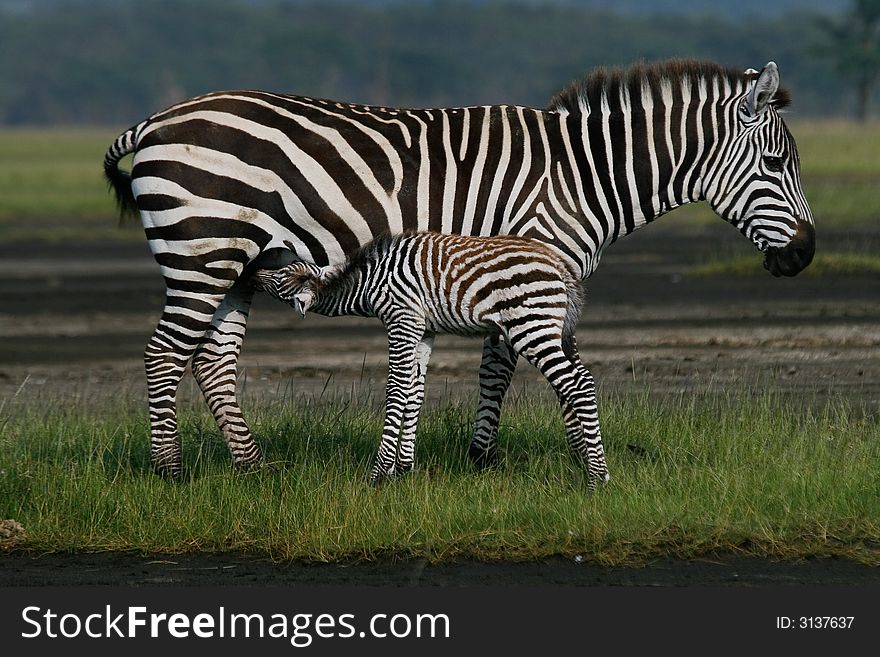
(222, 181)
(426, 283)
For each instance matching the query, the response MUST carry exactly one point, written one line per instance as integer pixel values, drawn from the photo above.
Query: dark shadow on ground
(231, 569)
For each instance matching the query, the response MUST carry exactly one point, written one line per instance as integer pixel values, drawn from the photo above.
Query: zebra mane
(609, 82)
(371, 251)
(358, 260)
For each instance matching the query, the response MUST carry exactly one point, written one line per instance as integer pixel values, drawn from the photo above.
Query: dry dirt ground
(74, 319)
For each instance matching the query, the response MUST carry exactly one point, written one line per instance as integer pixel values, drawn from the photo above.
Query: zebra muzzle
(793, 258)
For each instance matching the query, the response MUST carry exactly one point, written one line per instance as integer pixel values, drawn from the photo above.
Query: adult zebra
(223, 180)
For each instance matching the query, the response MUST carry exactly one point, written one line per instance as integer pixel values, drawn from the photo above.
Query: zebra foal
(421, 284)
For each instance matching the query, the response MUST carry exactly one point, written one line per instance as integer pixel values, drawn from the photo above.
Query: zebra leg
(577, 440)
(573, 430)
(181, 327)
(214, 366)
(574, 386)
(402, 343)
(585, 440)
(407, 447)
(496, 372)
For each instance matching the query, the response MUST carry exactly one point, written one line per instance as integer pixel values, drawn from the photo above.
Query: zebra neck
(638, 158)
(345, 294)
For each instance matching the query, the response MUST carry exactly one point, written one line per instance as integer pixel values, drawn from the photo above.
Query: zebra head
(754, 182)
(295, 284)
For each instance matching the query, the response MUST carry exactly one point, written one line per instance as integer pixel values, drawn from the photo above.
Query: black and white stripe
(426, 283)
(223, 180)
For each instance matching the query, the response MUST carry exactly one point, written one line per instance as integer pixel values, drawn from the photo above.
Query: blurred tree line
(853, 44)
(113, 62)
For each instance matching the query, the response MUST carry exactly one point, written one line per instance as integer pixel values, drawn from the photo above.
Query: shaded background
(105, 62)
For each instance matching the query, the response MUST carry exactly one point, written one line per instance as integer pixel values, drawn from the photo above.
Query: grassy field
(52, 186)
(689, 477)
(824, 264)
(749, 473)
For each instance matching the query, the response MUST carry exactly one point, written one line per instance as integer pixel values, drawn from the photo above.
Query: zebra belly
(466, 329)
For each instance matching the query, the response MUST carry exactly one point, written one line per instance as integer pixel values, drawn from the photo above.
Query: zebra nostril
(804, 252)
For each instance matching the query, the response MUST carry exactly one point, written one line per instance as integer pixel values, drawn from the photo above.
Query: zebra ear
(326, 273)
(301, 302)
(764, 89)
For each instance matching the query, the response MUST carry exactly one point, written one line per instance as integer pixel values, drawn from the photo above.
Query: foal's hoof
(246, 467)
(174, 474)
(381, 477)
(598, 480)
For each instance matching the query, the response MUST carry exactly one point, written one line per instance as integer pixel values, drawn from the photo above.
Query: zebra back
(460, 284)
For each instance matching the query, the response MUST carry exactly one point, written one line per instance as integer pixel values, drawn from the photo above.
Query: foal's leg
(583, 438)
(581, 419)
(403, 338)
(574, 432)
(574, 387)
(496, 371)
(406, 449)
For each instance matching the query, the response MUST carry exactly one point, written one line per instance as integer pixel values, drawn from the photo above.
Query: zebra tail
(120, 181)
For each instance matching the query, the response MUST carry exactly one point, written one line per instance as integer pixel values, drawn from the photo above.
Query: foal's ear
(301, 302)
(263, 279)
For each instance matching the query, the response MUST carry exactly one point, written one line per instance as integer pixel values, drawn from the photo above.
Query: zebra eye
(773, 163)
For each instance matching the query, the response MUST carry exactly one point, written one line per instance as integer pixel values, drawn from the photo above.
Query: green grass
(52, 186)
(824, 264)
(755, 475)
(54, 172)
(840, 168)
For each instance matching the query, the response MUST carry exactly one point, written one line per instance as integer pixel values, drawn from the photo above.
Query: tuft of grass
(745, 473)
(824, 264)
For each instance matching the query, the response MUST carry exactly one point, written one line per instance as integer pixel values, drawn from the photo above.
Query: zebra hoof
(483, 459)
(377, 478)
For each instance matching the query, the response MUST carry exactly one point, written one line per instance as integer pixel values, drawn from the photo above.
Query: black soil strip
(235, 569)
